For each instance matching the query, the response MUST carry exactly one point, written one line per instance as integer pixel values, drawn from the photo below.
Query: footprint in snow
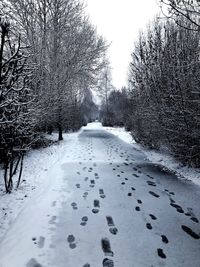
(177, 207)
(92, 183)
(96, 203)
(113, 230)
(188, 214)
(194, 219)
(52, 220)
(33, 263)
(85, 195)
(190, 232)
(172, 200)
(96, 176)
(53, 204)
(149, 226)
(106, 247)
(164, 239)
(84, 221)
(153, 217)
(154, 194)
(151, 177)
(161, 254)
(96, 206)
(150, 183)
(71, 241)
(34, 239)
(101, 193)
(74, 205)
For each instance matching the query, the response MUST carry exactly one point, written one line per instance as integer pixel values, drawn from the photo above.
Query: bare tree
(189, 10)
(66, 50)
(105, 84)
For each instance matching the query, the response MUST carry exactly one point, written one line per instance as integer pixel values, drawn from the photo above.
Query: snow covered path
(106, 205)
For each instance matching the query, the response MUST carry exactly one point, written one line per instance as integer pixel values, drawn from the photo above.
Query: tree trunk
(60, 137)
(50, 130)
(20, 172)
(5, 175)
(16, 166)
(3, 35)
(10, 181)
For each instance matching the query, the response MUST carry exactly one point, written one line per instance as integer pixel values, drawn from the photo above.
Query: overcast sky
(119, 21)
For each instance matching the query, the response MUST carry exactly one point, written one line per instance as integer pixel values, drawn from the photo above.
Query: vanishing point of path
(109, 206)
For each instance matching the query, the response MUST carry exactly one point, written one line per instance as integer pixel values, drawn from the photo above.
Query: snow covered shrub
(16, 97)
(164, 90)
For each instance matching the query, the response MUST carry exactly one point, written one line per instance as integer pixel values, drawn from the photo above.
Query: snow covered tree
(164, 90)
(16, 117)
(103, 90)
(117, 110)
(66, 50)
(183, 12)
(49, 54)
(89, 109)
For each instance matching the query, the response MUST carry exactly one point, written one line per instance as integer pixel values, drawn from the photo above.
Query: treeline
(165, 90)
(50, 57)
(115, 110)
(162, 107)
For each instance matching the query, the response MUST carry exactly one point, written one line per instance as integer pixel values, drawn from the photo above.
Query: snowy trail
(106, 205)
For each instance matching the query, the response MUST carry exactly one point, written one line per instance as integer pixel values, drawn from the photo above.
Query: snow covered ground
(37, 165)
(94, 200)
(121, 133)
(183, 172)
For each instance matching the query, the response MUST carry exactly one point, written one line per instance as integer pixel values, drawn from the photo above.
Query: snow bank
(159, 158)
(94, 125)
(121, 133)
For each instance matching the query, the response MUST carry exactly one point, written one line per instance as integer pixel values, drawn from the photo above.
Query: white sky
(119, 21)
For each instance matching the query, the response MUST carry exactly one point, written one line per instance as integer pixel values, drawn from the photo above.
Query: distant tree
(105, 83)
(116, 111)
(90, 110)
